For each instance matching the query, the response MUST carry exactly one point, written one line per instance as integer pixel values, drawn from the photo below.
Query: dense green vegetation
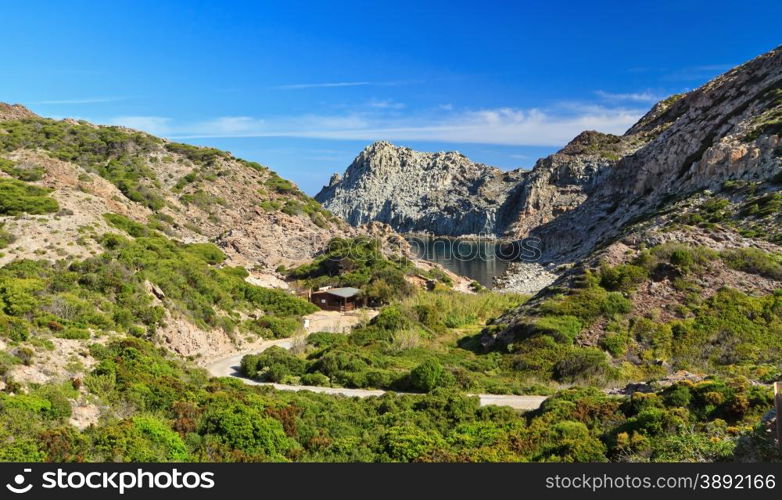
(199, 155)
(111, 152)
(359, 263)
(728, 332)
(177, 414)
(295, 202)
(158, 408)
(415, 345)
(109, 292)
(17, 197)
(23, 173)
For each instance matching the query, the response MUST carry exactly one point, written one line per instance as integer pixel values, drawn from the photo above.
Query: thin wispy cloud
(385, 104)
(325, 85)
(83, 100)
(504, 126)
(631, 96)
(295, 86)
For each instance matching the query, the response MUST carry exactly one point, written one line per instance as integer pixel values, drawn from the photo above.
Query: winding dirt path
(228, 366)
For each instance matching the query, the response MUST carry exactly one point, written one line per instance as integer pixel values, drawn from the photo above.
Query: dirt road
(229, 367)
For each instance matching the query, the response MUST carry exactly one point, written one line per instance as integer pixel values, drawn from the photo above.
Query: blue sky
(303, 87)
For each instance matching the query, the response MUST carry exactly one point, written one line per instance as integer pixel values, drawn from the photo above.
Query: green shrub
(588, 304)
(156, 441)
(17, 197)
(391, 318)
(273, 327)
(280, 185)
(358, 262)
(685, 258)
(427, 376)
(563, 328)
(677, 395)
(275, 363)
(130, 226)
(246, 429)
(196, 154)
(755, 261)
(622, 278)
(616, 343)
(581, 364)
(326, 339)
(74, 333)
(315, 379)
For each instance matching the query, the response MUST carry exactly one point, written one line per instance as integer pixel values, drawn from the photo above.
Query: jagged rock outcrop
(440, 193)
(562, 181)
(15, 112)
(447, 194)
(725, 130)
(585, 194)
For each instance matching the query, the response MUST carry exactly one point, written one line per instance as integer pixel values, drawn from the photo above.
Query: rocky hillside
(440, 193)
(673, 260)
(726, 131)
(191, 194)
(68, 188)
(447, 194)
(175, 243)
(722, 131)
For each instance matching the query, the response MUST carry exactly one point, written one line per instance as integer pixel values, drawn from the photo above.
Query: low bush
(427, 376)
(755, 261)
(17, 197)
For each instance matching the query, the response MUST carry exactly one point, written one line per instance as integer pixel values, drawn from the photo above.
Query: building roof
(345, 292)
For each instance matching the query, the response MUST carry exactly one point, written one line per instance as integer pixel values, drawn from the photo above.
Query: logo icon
(19, 480)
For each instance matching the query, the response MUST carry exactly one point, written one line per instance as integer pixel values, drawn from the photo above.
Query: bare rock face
(447, 194)
(561, 182)
(729, 129)
(439, 193)
(15, 112)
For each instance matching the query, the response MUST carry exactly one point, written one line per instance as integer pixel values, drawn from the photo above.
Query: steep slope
(562, 181)
(191, 215)
(727, 130)
(672, 262)
(440, 193)
(192, 194)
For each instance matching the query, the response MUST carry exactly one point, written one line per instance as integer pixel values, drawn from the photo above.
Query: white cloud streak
(505, 126)
(326, 85)
(632, 96)
(85, 100)
(296, 86)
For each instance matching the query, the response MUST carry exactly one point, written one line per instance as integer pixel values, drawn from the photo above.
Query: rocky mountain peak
(441, 193)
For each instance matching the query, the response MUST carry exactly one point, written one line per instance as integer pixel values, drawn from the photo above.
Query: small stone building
(337, 299)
